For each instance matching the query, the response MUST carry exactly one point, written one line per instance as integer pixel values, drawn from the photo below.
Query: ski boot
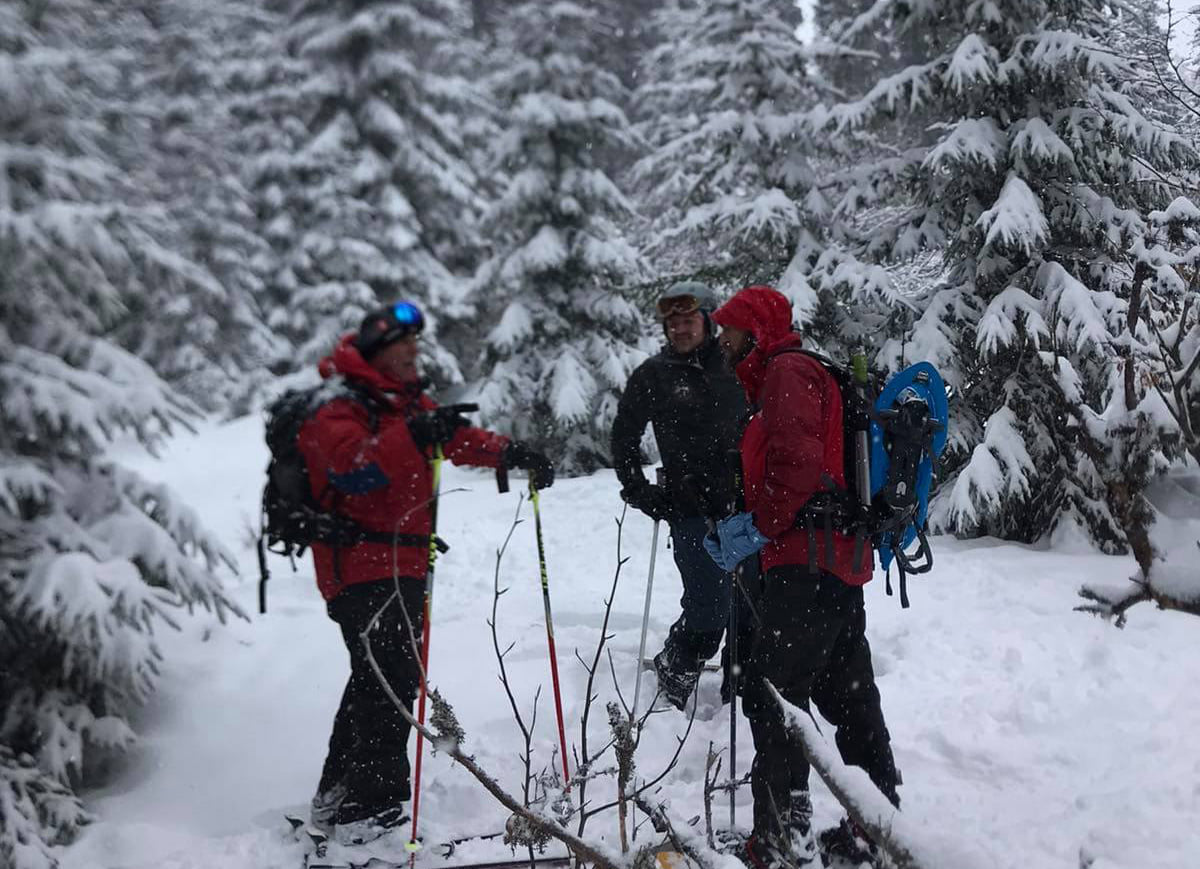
(792, 846)
(323, 811)
(848, 845)
(355, 828)
(676, 685)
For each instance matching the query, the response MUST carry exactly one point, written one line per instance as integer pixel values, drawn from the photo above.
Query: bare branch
(526, 732)
(585, 759)
(453, 747)
(662, 824)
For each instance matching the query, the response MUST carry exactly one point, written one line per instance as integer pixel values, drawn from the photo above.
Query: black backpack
(292, 519)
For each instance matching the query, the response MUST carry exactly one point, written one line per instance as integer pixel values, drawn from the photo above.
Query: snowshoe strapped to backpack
(905, 432)
(908, 433)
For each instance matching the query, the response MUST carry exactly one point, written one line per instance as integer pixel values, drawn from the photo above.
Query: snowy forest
(198, 198)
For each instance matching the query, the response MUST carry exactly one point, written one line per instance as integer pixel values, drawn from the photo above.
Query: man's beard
(735, 359)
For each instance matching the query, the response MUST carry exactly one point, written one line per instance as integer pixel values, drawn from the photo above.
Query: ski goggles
(406, 316)
(388, 325)
(671, 305)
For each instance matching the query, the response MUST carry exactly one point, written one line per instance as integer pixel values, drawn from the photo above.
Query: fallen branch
(1115, 605)
(863, 802)
(451, 743)
(682, 844)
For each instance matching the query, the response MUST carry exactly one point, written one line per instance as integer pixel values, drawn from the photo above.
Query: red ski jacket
(794, 439)
(377, 476)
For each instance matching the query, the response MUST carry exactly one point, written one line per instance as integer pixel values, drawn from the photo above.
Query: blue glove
(737, 539)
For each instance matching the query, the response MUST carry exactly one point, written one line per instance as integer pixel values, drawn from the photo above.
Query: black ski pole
(735, 461)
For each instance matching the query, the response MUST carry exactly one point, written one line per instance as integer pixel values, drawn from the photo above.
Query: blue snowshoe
(907, 435)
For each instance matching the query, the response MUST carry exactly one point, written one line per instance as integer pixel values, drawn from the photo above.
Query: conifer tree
(1035, 181)
(93, 559)
(207, 335)
(561, 338)
(366, 190)
(729, 180)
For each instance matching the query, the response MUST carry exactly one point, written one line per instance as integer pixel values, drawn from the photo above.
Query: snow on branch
(39, 813)
(1171, 587)
(1015, 218)
(1010, 309)
(999, 467)
(906, 840)
(1082, 315)
(973, 140)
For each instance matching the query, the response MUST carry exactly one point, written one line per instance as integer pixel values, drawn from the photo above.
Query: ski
(380, 863)
(317, 847)
(709, 666)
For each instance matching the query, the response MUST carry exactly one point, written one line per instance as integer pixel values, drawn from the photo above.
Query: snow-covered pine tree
(366, 191)
(1035, 181)
(730, 183)
(562, 338)
(208, 337)
(92, 558)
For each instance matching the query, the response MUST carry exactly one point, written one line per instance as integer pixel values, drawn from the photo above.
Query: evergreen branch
(807, 733)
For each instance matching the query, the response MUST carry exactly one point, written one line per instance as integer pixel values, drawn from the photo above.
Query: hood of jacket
(346, 361)
(766, 314)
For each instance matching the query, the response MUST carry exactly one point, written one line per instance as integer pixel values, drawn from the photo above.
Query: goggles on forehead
(670, 305)
(387, 325)
(407, 316)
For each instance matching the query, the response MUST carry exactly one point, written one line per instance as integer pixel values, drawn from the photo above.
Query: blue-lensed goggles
(408, 315)
(388, 324)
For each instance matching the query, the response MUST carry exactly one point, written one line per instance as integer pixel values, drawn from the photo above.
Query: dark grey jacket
(696, 406)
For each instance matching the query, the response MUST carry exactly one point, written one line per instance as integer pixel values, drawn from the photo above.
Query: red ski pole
(562, 733)
(414, 845)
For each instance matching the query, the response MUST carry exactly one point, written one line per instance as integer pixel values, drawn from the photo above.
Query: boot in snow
(792, 845)
(849, 844)
(675, 683)
(324, 809)
(354, 827)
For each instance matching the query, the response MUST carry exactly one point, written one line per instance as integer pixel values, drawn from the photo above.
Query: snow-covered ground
(1030, 736)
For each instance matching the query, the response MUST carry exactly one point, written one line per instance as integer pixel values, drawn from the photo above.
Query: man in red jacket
(812, 640)
(368, 452)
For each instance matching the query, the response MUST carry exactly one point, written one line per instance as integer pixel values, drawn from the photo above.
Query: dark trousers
(696, 634)
(368, 749)
(812, 644)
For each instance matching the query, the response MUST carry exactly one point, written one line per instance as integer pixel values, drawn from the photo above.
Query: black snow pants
(812, 644)
(368, 749)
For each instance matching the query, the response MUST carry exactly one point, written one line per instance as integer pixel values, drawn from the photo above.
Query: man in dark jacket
(368, 451)
(695, 405)
(812, 642)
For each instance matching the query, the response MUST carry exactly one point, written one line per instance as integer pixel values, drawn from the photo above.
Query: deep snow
(1029, 736)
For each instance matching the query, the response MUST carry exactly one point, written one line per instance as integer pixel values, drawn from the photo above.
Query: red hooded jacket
(377, 477)
(794, 437)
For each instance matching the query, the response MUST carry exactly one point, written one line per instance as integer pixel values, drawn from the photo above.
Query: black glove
(541, 469)
(438, 426)
(650, 499)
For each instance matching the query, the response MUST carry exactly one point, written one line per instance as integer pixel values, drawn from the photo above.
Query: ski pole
(425, 630)
(735, 579)
(562, 733)
(637, 682)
